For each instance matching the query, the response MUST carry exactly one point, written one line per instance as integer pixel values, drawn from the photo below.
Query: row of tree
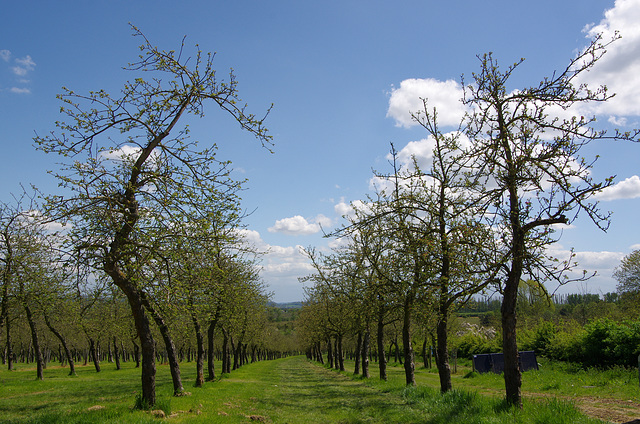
(144, 214)
(479, 215)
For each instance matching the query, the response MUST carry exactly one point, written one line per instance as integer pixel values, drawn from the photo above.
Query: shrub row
(601, 343)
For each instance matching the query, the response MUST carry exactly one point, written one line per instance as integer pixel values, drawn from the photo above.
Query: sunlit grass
(290, 390)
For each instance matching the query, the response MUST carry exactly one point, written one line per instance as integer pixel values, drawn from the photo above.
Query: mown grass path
(296, 391)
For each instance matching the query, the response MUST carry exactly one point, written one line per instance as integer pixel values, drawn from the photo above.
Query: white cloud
(619, 68)
(125, 152)
(627, 189)
(298, 225)
(25, 65)
(5, 55)
(281, 267)
(18, 90)
(443, 95)
(26, 62)
(347, 209)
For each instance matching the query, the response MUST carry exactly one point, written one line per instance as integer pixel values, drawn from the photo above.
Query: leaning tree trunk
(174, 365)
(36, 344)
(94, 354)
(63, 341)
(143, 328)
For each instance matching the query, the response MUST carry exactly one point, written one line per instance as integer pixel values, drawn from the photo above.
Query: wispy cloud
(20, 67)
(20, 90)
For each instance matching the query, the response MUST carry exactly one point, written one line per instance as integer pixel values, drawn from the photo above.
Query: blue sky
(331, 69)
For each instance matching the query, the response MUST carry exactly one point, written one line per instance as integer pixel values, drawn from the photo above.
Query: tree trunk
(147, 347)
(365, 353)
(136, 354)
(330, 357)
(444, 370)
(340, 352)
(9, 351)
(116, 353)
(36, 344)
(356, 371)
(94, 354)
(409, 366)
(174, 365)
(382, 360)
(72, 367)
(210, 352)
(512, 375)
(200, 354)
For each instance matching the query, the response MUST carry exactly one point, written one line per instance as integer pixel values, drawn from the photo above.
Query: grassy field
(293, 390)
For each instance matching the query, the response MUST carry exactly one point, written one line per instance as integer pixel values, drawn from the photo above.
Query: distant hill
(286, 305)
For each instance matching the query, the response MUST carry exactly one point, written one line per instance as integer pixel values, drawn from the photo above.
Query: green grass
(290, 390)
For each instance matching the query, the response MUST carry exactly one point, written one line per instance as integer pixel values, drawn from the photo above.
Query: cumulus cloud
(298, 225)
(125, 152)
(347, 209)
(281, 266)
(5, 55)
(619, 68)
(443, 95)
(627, 189)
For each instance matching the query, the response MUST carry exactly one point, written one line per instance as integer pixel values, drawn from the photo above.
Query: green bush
(471, 344)
(601, 343)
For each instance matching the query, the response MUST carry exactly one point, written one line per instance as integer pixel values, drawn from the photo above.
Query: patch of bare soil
(610, 410)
